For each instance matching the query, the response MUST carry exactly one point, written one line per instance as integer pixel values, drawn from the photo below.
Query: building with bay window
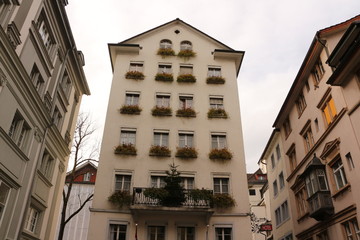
(41, 86)
(186, 114)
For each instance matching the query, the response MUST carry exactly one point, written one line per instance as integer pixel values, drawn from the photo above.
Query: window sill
(341, 191)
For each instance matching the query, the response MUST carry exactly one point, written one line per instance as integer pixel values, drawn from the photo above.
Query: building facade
(41, 86)
(319, 130)
(173, 100)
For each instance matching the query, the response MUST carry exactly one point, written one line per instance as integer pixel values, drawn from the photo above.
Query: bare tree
(83, 131)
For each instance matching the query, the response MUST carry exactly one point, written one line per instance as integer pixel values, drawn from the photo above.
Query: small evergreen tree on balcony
(176, 194)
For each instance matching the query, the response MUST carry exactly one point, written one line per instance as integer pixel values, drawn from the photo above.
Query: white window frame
(186, 69)
(32, 219)
(4, 196)
(132, 98)
(128, 136)
(163, 138)
(165, 43)
(223, 184)
(214, 71)
(165, 68)
(338, 170)
(185, 45)
(216, 102)
(186, 139)
(115, 228)
(136, 66)
(19, 130)
(218, 141)
(281, 180)
(122, 181)
(188, 182)
(157, 181)
(47, 164)
(186, 235)
(220, 232)
(87, 177)
(163, 100)
(157, 228)
(186, 101)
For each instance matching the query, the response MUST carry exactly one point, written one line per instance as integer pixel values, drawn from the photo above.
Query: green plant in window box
(221, 154)
(186, 112)
(215, 80)
(166, 52)
(130, 109)
(164, 77)
(134, 75)
(200, 195)
(161, 111)
(120, 198)
(186, 152)
(217, 113)
(125, 149)
(160, 151)
(186, 53)
(155, 193)
(186, 78)
(222, 201)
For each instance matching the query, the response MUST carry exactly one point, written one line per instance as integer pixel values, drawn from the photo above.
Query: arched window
(185, 45)
(165, 43)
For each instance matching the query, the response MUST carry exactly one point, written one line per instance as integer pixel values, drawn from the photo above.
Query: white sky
(275, 35)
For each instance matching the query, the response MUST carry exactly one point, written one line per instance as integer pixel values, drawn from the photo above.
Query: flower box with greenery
(186, 112)
(125, 149)
(160, 151)
(186, 78)
(198, 195)
(215, 80)
(186, 152)
(166, 52)
(130, 109)
(217, 113)
(164, 77)
(220, 154)
(134, 75)
(222, 201)
(121, 198)
(186, 53)
(161, 111)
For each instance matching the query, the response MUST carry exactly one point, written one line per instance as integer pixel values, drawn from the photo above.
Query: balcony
(320, 206)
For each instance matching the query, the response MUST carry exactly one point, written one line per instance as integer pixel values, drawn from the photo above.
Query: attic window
(165, 43)
(177, 31)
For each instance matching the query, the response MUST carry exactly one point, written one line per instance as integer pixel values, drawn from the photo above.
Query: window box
(120, 198)
(186, 152)
(165, 52)
(217, 113)
(186, 53)
(189, 78)
(215, 80)
(130, 109)
(161, 111)
(160, 151)
(223, 154)
(222, 200)
(186, 112)
(125, 149)
(134, 75)
(165, 77)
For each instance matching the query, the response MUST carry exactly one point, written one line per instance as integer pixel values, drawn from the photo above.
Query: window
(316, 125)
(156, 233)
(350, 160)
(136, 67)
(322, 236)
(65, 84)
(37, 79)
(214, 71)
(165, 68)
(339, 174)
(223, 233)
(132, 99)
(186, 102)
(218, 141)
(301, 104)
(161, 139)
(291, 153)
(19, 130)
(46, 164)
(4, 193)
(308, 137)
(44, 31)
(315, 177)
(216, 103)
(281, 180)
(282, 213)
(186, 69)
(118, 231)
(351, 229)
(186, 140)
(287, 237)
(122, 182)
(275, 188)
(158, 181)
(128, 137)
(301, 203)
(57, 117)
(329, 110)
(87, 177)
(32, 220)
(162, 100)
(221, 185)
(185, 45)
(252, 192)
(187, 182)
(318, 72)
(278, 153)
(165, 43)
(272, 161)
(287, 127)
(185, 233)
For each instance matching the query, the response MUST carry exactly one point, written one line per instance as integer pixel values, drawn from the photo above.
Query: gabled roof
(88, 163)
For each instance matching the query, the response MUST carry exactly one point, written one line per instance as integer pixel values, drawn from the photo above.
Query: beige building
(319, 130)
(174, 99)
(41, 85)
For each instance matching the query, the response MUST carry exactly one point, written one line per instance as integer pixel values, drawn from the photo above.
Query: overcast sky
(275, 35)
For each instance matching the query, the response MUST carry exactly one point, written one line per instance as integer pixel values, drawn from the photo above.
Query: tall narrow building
(174, 100)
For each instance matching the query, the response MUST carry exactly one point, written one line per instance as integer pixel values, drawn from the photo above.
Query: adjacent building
(318, 130)
(173, 101)
(41, 86)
